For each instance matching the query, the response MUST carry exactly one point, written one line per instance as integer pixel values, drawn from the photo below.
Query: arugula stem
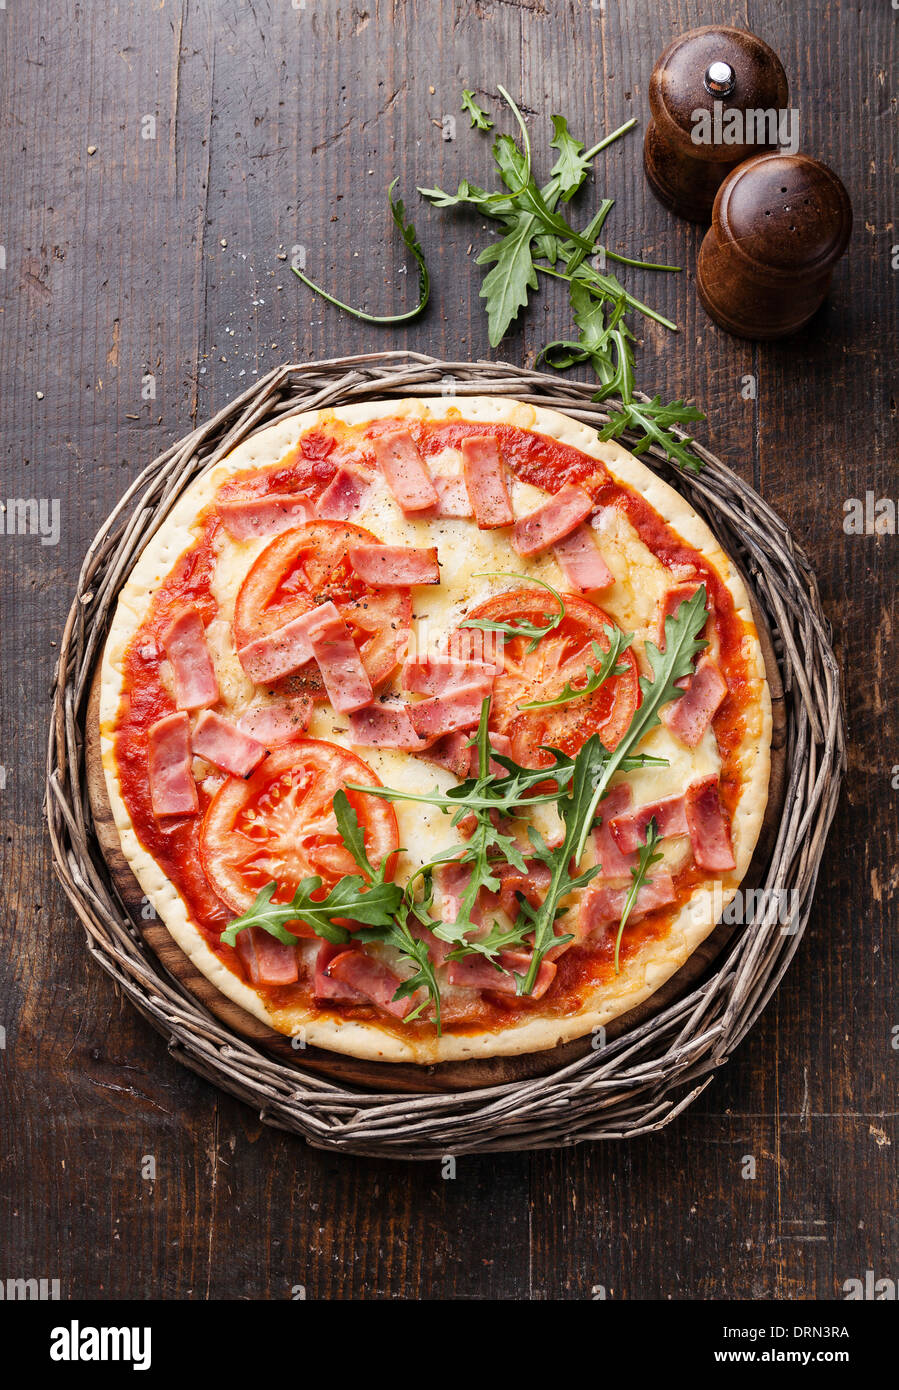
(632, 302)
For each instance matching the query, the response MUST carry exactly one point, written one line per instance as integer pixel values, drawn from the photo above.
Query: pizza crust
(648, 968)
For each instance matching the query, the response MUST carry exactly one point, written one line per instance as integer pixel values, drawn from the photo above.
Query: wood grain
(268, 120)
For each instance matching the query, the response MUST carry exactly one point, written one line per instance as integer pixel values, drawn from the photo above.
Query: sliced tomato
(279, 825)
(307, 566)
(561, 657)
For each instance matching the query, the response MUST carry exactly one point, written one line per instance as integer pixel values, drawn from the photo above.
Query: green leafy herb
(596, 676)
(535, 237)
(645, 859)
(479, 117)
(595, 766)
(523, 628)
(350, 897)
(407, 231)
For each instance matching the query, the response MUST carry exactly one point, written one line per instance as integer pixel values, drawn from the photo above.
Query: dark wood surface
(268, 121)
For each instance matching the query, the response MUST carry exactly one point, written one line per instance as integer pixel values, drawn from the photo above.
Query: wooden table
(136, 265)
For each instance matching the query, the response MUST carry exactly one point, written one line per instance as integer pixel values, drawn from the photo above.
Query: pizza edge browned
(648, 968)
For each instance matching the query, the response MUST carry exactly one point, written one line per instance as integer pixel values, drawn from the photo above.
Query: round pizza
(435, 729)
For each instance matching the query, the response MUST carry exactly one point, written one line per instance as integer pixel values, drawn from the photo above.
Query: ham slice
(581, 561)
(457, 709)
(372, 978)
(708, 826)
(452, 880)
(451, 751)
(323, 986)
(185, 646)
(690, 716)
(247, 518)
(500, 743)
(603, 905)
(438, 675)
(629, 831)
(384, 725)
(173, 791)
(346, 679)
(453, 499)
(405, 471)
(614, 863)
(278, 723)
(266, 960)
(284, 650)
(477, 973)
(386, 566)
(225, 745)
(532, 885)
(344, 495)
(552, 522)
(485, 482)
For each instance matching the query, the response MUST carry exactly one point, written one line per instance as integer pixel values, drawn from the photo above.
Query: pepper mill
(691, 142)
(779, 225)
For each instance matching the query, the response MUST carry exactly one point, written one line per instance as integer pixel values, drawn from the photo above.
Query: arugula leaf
(479, 117)
(571, 167)
(407, 231)
(596, 676)
(505, 287)
(524, 628)
(645, 859)
(349, 898)
(653, 420)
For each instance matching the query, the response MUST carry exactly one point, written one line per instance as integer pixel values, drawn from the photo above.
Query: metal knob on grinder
(779, 225)
(714, 64)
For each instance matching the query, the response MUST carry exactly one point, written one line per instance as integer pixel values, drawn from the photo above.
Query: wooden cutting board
(447, 1076)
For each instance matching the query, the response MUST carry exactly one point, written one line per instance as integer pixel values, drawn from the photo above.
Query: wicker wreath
(644, 1078)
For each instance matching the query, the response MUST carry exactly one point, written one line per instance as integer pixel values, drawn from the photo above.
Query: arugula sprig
(596, 675)
(521, 628)
(595, 765)
(646, 857)
(408, 234)
(538, 240)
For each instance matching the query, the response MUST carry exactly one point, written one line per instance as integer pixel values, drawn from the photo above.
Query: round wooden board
(447, 1076)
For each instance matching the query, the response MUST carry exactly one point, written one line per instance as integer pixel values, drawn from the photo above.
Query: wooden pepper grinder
(713, 70)
(779, 225)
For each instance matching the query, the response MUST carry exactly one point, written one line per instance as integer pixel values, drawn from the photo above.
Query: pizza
(435, 729)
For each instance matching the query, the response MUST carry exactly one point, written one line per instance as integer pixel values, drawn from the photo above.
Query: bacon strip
(552, 522)
(173, 791)
(477, 973)
(346, 679)
(277, 723)
(614, 863)
(247, 518)
(581, 561)
(438, 675)
(690, 716)
(630, 831)
(185, 646)
(278, 653)
(603, 905)
(372, 978)
(323, 987)
(485, 482)
(344, 495)
(457, 709)
(383, 725)
(708, 826)
(405, 470)
(453, 498)
(388, 566)
(452, 752)
(672, 600)
(224, 744)
(266, 960)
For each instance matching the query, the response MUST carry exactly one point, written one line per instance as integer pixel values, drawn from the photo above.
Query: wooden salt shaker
(779, 225)
(714, 64)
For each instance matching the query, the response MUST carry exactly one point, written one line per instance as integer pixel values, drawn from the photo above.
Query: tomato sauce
(306, 471)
